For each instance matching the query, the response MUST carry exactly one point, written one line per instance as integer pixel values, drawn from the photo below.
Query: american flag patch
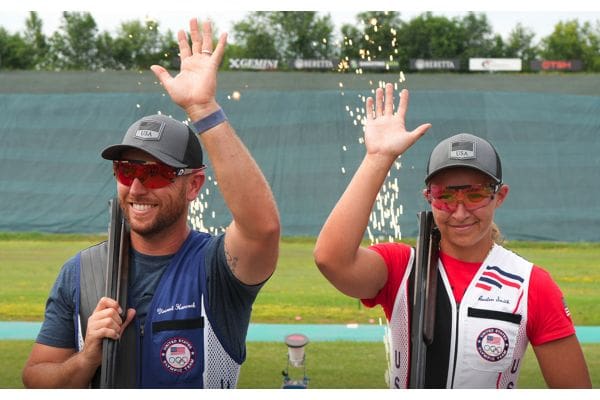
(149, 130)
(462, 150)
(494, 276)
(177, 350)
(492, 339)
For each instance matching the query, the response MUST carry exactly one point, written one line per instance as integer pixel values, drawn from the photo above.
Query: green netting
(301, 130)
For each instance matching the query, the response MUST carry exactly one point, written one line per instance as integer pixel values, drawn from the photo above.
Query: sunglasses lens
(157, 175)
(476, 196)
(125, 173)
(151, 175)
(472, 196)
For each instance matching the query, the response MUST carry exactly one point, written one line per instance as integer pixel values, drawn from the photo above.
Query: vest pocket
(490, 339)
(492, 314)
(178, 324)
(174, 353)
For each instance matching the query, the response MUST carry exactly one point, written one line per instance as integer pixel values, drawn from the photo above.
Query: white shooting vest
(486, 333)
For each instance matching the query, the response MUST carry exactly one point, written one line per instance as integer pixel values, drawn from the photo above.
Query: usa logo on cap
(150, 130)
(462, 150)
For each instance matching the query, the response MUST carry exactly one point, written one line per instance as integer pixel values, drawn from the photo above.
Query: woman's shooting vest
(478, 343)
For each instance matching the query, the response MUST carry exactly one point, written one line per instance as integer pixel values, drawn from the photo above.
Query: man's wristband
(210, 121)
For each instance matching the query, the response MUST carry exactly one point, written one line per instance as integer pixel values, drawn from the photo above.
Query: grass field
(297, 293)
(329, 365)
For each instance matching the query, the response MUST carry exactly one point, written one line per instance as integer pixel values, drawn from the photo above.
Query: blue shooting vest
(179, 345)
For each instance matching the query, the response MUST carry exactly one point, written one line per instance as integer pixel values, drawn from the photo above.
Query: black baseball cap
(468, 151)
(170, 141)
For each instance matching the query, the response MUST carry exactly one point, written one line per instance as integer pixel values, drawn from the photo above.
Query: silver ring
(206, 52)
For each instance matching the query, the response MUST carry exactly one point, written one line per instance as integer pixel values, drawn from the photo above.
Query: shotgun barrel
(116, 285)
(423, 301)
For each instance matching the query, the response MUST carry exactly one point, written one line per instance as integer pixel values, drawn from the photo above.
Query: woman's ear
(426, 195)
(501, 195)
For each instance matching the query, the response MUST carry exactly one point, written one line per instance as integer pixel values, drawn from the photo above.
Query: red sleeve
(548, 317)
(396, 257)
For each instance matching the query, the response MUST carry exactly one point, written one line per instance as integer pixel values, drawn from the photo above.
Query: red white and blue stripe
(495, 277)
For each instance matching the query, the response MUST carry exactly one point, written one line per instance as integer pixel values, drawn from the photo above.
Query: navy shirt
(229, 300)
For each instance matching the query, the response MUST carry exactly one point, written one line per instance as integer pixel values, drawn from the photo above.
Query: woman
(491, 302)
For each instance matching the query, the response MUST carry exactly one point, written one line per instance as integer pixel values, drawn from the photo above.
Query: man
(491, 302)
(190, 294)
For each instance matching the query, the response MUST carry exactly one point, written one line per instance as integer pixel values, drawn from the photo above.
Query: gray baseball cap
(172, 142)
(468, 151)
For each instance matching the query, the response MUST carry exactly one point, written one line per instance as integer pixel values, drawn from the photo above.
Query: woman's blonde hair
(496, 234)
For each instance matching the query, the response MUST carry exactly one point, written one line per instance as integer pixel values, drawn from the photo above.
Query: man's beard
(169, 216)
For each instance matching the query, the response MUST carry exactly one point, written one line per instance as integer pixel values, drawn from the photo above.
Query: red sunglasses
(446, 198)
(152, 175)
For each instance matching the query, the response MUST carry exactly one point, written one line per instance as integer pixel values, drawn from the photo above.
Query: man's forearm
(242, 184)
(70, 374)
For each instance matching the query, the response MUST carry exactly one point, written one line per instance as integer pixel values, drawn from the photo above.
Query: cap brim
(114, 152)
(460, 165)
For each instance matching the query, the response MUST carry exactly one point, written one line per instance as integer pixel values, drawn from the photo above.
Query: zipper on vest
(140, 348)
(455, 345)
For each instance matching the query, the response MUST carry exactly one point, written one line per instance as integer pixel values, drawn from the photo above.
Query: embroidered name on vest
(175, 307)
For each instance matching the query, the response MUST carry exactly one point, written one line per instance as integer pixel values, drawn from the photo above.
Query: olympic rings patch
(177, 355)
(492, 344)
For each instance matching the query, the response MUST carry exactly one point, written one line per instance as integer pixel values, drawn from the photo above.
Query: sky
(503, 16)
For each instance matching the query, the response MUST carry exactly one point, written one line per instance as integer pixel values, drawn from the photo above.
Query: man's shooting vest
(177, 346)
(478, 343)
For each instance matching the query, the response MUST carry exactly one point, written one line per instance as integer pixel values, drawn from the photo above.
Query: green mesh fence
(303, 131)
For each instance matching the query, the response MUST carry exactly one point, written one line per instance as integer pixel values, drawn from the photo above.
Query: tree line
(287, 35)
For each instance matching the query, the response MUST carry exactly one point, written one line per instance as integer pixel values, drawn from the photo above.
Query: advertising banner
(556, 65)
(374, 64)
(495, 64)
(324, 64)
(435, 64)
(253, 63)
